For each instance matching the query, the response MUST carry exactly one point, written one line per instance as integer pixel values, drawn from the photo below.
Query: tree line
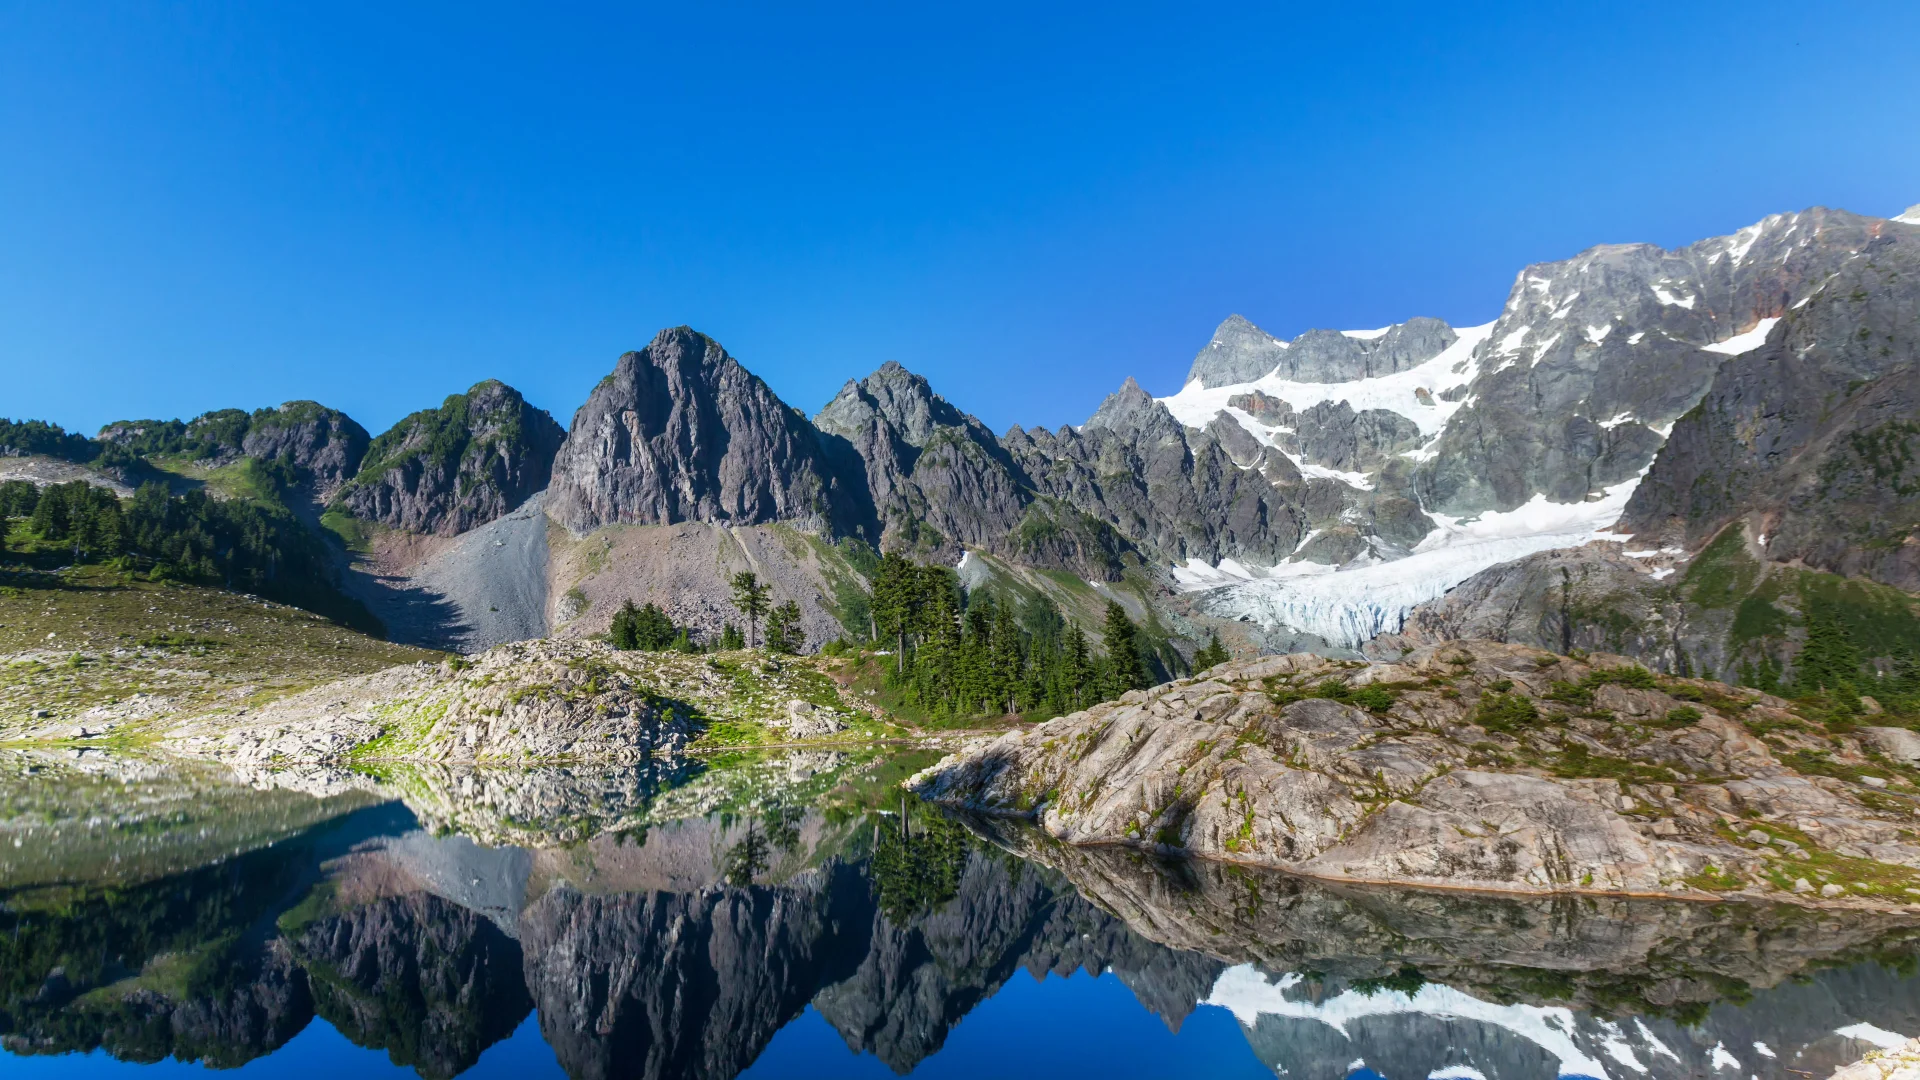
(956, 653)
(236, 544)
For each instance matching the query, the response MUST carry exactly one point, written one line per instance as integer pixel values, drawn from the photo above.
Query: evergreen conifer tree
(750, 599)
(784, 633)
(1126, 669)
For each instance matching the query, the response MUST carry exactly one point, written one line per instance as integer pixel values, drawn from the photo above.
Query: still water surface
(792, 916)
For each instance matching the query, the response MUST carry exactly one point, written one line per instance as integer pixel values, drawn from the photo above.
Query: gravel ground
(44, 471)
(485, 587)
(684, 568)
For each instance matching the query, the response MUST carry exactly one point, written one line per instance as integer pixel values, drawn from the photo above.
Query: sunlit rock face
(1473, 764)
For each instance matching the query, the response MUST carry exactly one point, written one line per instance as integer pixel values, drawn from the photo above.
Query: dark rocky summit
(446, 470)
(681, 432)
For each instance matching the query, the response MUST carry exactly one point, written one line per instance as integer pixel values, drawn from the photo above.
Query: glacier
(1348, 605)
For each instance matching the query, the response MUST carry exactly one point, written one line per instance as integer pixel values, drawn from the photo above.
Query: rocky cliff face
(1593, 358)
(681, 432)
(1472, 764)
(446, 470)
(1178, 494)
(326, 445)
(1812, 436)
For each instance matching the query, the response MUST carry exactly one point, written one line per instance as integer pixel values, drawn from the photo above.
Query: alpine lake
(792, 914)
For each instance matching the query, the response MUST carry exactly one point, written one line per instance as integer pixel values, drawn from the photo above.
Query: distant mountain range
(1541, 479)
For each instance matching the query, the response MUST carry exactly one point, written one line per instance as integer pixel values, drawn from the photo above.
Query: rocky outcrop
(535, 700)
(1242, 352)
(1592, 598)
(1332, 434)
(521, 704)
(1472, 765)
(446, 470)
(324, 446)
(681, 432)
(927, 466)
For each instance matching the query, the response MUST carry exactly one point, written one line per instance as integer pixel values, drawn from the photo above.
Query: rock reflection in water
(683, 927)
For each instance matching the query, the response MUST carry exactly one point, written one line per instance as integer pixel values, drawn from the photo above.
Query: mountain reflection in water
(781, 916)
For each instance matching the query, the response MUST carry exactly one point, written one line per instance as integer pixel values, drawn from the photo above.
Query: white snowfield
(1747, 342)
(1347, 606)
(1196, 405)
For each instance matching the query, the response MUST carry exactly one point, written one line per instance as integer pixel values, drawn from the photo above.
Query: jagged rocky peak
(1131, 410)
(446, 470)
(1241, 352)
(680, 431)
(900, 397)
(935, 477)
(1910, 216)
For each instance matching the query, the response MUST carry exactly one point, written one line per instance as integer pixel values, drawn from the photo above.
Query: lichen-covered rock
(534, 700)
(1473, 764)
(524, 703)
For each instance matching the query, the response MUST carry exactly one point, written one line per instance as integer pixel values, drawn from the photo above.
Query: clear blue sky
(377, 204)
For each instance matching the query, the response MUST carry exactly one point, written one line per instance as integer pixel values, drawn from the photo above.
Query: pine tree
(895, 604)
(730, 638)
(1829, 662)
(1005, 659)
(625, 632)
(1211, 654)
(784, 632)
(750, 599)
(653, 629)
(1126, 669)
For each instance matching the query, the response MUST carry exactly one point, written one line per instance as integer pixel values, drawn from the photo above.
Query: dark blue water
(815, 928)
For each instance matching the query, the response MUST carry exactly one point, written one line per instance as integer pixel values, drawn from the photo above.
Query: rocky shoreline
(1472, 765)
